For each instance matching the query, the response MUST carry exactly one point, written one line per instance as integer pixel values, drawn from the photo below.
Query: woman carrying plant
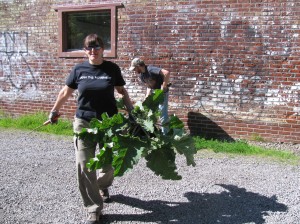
(95, 79)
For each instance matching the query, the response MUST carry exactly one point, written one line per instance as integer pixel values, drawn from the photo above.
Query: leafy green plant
(127, 139)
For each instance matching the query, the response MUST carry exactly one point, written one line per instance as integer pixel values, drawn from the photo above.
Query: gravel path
(38, 185)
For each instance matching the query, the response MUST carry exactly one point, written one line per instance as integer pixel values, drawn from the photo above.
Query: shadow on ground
(232, 205)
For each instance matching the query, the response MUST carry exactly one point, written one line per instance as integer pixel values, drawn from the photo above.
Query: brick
(237, 62)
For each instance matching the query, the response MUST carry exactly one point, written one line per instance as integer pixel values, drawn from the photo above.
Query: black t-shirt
(152, 77)
(95, 84)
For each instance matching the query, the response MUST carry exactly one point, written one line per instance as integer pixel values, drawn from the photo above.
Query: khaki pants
(88, 183)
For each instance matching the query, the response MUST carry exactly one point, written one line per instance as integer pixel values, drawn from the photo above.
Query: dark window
(75, 23)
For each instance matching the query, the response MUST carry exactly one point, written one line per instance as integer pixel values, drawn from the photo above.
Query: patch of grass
(243, 148)
(64, 127)
(32, 121)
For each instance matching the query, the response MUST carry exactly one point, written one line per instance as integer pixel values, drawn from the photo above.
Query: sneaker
(105, 195)
(93, 218)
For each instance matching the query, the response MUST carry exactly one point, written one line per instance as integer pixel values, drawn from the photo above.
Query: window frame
(63, 10)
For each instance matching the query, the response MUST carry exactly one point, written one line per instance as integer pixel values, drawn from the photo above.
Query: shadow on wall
(200, 125)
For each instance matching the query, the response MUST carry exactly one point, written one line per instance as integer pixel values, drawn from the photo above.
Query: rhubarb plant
(126, 138)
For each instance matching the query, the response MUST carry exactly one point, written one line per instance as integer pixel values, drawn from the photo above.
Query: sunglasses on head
(95, 47)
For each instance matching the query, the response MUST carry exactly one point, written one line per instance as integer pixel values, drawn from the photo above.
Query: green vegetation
(32, 121)
(125, 139)
(243, 148)
(64, 127)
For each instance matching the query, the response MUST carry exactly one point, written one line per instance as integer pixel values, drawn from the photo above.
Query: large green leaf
(128, 154)
(125, 160)
(175, 122)
(102, 159)
(91, 134)
(186, 146)
(162, 163)
(153, 100)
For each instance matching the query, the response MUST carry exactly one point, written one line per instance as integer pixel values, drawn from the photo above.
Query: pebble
(38, 185)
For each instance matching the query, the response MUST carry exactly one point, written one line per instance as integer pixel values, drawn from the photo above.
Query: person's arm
(121, 90)
(62, 97)
(166, 75)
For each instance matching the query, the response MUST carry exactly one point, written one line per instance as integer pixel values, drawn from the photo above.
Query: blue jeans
(164, 117)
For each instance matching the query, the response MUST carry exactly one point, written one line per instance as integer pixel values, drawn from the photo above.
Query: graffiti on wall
(16, 74)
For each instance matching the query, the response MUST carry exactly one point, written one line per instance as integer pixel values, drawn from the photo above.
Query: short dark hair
(93, 39)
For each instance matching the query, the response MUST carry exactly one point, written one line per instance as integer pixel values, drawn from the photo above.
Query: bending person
(154, 78)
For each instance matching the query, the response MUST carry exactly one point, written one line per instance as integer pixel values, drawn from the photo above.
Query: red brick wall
(234, 64)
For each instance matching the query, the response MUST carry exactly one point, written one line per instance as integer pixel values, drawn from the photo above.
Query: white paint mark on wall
(213, 68)
(17, 77)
